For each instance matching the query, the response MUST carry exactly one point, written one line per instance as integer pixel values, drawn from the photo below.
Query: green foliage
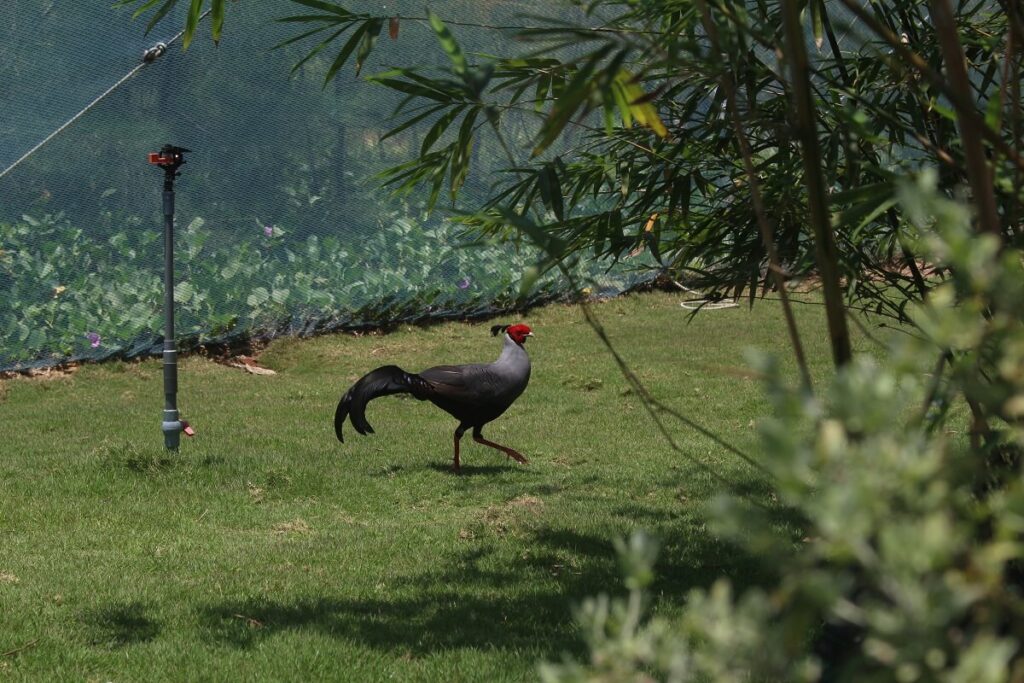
(58, 284)
(913, 536)
(715, 640)
(710, 84)
(685, 171)
(910, 560)
(265, 550)
(196, 11)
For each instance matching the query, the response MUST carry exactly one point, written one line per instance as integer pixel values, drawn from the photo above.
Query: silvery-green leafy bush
(912, 507)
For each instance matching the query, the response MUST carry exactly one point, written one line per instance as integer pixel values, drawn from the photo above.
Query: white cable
(148, 57)
(710, 306)
(702, 304)
(70, 121)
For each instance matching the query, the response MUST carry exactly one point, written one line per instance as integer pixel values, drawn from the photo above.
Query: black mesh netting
(281, 227)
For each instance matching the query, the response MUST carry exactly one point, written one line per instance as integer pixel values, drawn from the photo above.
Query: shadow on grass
(480, 598)
(471, 470)
(120, 625)
(438, 622)
(138, 459)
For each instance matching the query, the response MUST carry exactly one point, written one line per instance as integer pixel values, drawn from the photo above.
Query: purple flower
(463, 283)
(268, 230)
(94, 339)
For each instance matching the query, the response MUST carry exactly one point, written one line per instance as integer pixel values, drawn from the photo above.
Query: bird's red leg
(456, 467)
(514, 454)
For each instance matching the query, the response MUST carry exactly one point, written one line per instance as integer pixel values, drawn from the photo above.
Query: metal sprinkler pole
(170, 158)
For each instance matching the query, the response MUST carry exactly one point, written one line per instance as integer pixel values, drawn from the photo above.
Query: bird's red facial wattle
(519, 333)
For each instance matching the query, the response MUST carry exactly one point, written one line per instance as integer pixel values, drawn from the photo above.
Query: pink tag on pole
(187, 428)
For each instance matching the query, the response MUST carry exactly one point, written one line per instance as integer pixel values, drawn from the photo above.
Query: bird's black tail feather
(384, 381)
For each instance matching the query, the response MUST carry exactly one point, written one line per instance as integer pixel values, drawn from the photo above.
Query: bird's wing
(459, 382)
(446, 380)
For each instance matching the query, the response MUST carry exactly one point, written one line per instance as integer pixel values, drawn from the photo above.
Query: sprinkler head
(169, 157)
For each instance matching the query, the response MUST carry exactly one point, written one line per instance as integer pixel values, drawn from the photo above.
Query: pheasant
(473, 394)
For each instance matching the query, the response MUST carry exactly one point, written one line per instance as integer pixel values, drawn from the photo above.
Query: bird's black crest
(498, 329)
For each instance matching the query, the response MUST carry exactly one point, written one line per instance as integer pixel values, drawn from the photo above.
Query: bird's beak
(529, 334)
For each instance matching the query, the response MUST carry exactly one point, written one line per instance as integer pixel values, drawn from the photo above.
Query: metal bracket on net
(154, 53)
(148, 57)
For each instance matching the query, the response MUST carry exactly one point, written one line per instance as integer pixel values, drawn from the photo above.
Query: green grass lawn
(266, 550)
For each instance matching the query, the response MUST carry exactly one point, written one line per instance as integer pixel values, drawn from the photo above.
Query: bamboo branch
(817, 202)
(1011, 83)
(978, 173)
(767, 234)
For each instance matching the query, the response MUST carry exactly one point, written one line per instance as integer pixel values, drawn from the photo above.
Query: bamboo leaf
(817, 22)
(412, 121)
(863, 193)
(448, 43)
(438, 182)
(461, 154)
(217, 19)
(194, 12)
(573, 96)
(618, 92)
(316, 50)
(859, 206)
(553, 246)
(994, 112)
(301, 36)
(160, 13)
(478, 78)
(679, 198)
(146, 5)
(551, 190)
(438, 129)
(309, 19)
(413, 89)
(639, 103)
(609, 119)
(346, 51)
(326, 7)
(448, 87)
(369, 39)
(543, 88)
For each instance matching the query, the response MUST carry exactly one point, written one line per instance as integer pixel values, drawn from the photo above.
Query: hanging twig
(653, 406)
(30, 644)
(934, 386)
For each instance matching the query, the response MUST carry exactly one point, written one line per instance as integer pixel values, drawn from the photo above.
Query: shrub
(910, 565)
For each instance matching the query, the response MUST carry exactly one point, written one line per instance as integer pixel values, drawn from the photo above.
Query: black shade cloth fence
(281, 226)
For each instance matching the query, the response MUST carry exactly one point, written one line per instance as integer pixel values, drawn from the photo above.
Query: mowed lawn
(266, 550)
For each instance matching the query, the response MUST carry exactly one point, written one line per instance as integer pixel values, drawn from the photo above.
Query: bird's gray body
(473, 394)
(477, 394)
